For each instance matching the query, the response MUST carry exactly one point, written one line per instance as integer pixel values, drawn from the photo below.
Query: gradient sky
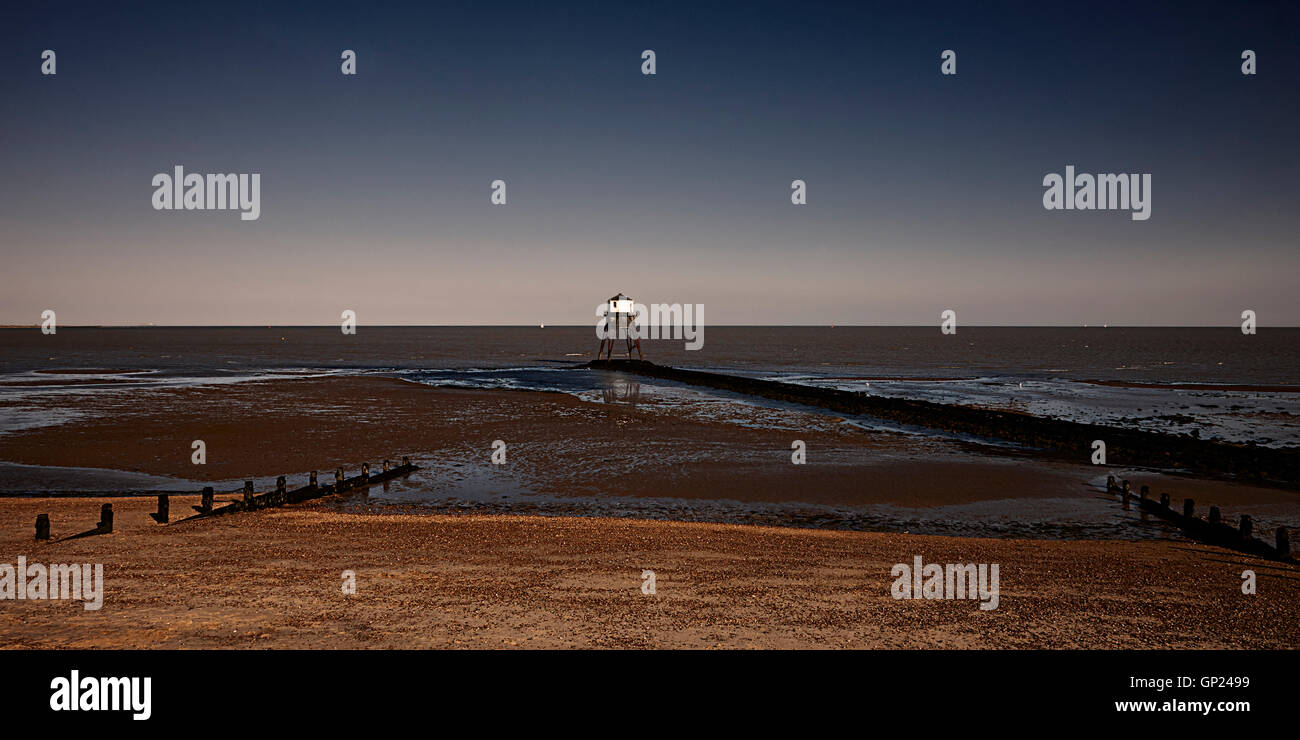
(924, 191)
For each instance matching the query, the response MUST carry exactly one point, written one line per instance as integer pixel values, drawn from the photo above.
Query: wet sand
(1235, 388)
(557, 444)
(272, 579)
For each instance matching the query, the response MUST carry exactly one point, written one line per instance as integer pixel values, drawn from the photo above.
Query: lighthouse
(619, 324)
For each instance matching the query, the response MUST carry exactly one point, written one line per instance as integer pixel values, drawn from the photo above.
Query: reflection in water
(621, 390)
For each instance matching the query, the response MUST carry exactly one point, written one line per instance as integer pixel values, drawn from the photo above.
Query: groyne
(249, 500)
(1213, 530)
(1128, 447)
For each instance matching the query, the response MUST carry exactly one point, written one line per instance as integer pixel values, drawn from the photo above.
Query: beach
(557, 446)
(272, 579)
(563, 445)
(544, 490)
(531, 561)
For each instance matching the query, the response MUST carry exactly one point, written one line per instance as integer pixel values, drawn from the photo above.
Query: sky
(924, 190)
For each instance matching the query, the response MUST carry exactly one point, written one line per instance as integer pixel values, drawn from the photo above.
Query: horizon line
(587, 326)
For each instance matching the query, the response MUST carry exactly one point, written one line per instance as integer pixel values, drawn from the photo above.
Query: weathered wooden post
(248, 494)
(1164, 501)
(1247, 526)
(338, 479)
(1128, 488)
(43, 526)
(1145, 490)
(1110, 480)
(205, 504)
(312, 482)
(105, 519)
(406, 461)
(1215, 518)
(365, 471)
(281, 490)
(164, 509)
(1283, 542)
(385, 466)
(1189, 508)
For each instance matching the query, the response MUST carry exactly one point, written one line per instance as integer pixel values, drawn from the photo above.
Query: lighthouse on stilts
(620, 323)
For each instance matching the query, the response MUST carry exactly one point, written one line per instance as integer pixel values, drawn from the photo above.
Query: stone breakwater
(1125, 447)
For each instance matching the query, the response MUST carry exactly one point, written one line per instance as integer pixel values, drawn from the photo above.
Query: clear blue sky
(925, 191)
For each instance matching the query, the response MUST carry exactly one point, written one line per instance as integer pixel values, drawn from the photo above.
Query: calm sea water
(1183, 355)
(1042, 371)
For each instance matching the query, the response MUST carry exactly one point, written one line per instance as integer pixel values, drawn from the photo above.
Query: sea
(1216, 381)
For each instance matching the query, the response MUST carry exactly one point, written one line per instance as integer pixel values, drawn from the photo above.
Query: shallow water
(1038, 370)
(1035, 370)
(1088, 513)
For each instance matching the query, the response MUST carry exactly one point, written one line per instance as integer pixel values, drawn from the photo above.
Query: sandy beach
(273, 578)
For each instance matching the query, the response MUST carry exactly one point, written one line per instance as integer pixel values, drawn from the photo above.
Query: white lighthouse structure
(620, 323)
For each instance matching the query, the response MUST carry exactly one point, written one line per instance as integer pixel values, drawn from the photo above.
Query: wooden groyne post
(43, 527)
(311, 490)
(281, 495)
(164, 509)
(1113, 486)
(105, 525)
(1212, 530)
